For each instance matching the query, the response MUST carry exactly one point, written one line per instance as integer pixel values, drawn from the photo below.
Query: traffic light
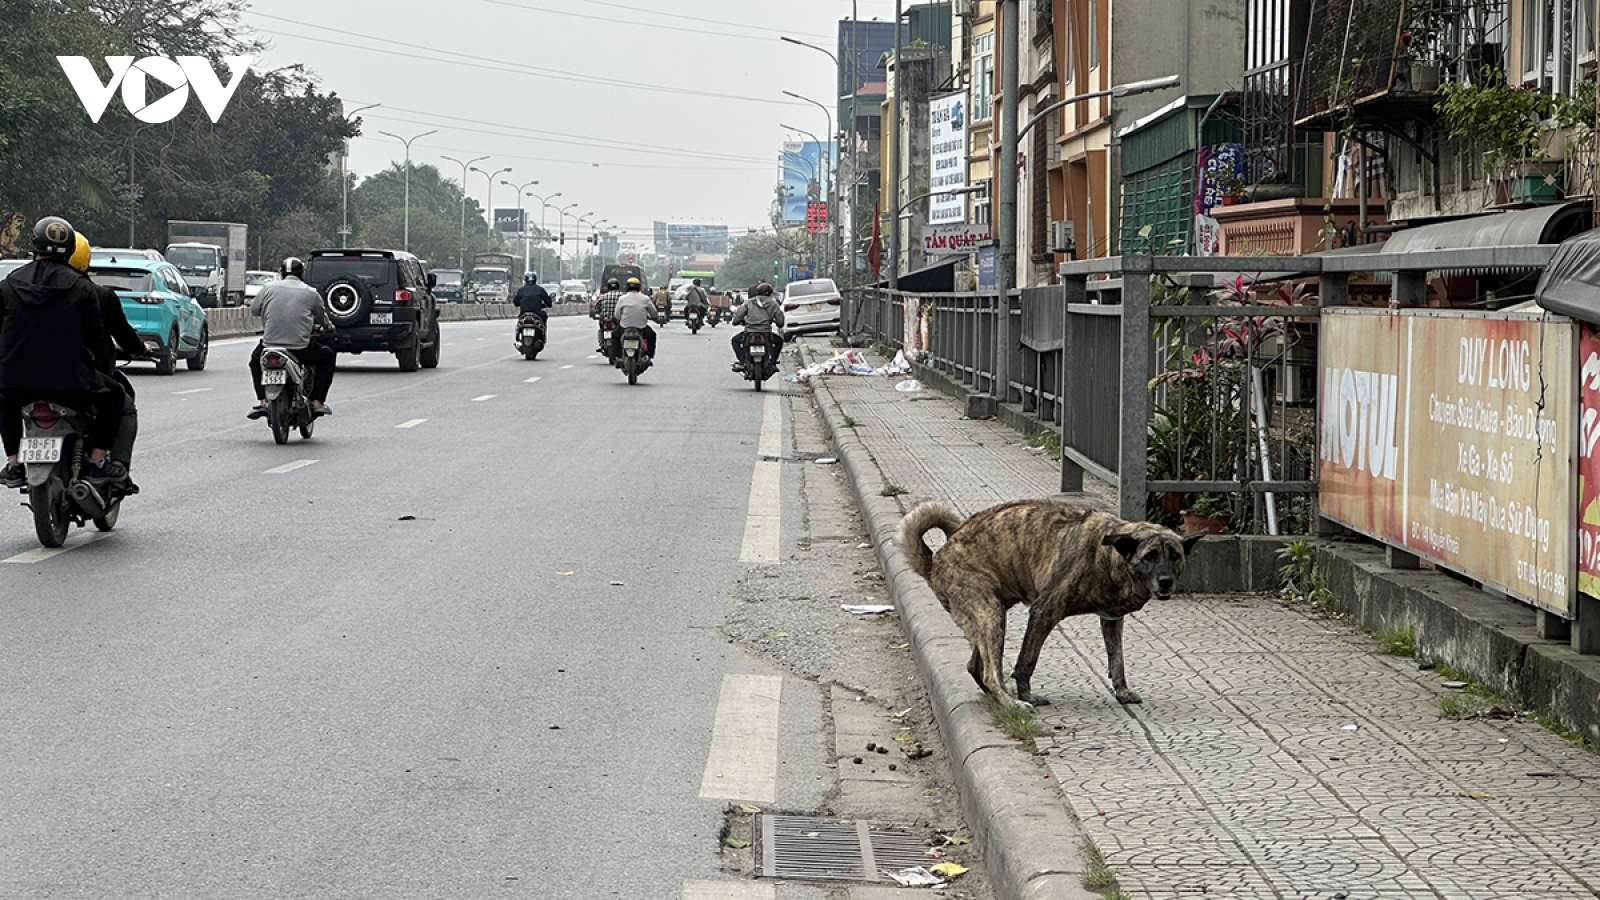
(563, 238)
(594, 239)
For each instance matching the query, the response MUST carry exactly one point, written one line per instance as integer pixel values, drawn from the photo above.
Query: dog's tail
(925, 518)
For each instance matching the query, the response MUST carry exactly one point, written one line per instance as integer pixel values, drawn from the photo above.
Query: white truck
(211, 256)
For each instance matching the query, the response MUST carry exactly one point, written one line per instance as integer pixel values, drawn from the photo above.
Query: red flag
(875, 248)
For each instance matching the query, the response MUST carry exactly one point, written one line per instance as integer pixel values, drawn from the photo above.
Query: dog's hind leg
(1111, 630)
(983, 620)
(1040, 625)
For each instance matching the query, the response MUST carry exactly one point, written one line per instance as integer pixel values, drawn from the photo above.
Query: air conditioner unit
(1063, 237)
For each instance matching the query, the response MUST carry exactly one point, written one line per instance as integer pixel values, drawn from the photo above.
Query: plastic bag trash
(909, 386)
(899, 366)
(1350, 727)
(867, 609)
(863, 546)
(827, 461)
(917, 876)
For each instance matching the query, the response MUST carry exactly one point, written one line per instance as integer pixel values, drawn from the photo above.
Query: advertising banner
(952, 240)
(511, 221)
(947, 158)
(805, 171)
(986, 260)
(1589, 462)
(1220, 166)
(1452, 435)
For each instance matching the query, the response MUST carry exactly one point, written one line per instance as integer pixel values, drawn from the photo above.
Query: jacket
(289, 308)
(50, 329)
(531, 298)
(119, 332)
(759, 314)
(635, 310)
(694, 296)
(606, 306)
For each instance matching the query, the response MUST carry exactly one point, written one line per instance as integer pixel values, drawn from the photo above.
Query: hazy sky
(691, 134)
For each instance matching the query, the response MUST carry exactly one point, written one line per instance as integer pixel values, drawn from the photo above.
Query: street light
(461, 260)
(561, 226)
(1116, 90)
(523, 216)
(406, 240)
(789, 40)
(827, 151)
(344, 180)
(544, 235)
(488, 239)
(894, 270)
(821, 182)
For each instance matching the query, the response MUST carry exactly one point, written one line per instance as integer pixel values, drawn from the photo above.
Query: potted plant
(1231, 185)
(1207, 514)
(1516, 126)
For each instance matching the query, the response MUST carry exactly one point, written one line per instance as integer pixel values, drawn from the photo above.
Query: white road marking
(763, 524)
(728, 890)
(191, 391)
(484, 397)
(743, 761)
(44, 553)
(290, 467)
(411, 424)
(533, 380)
(568, 367)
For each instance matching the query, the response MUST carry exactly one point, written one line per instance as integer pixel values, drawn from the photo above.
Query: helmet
(764, 289)
(613, 285)
(530, 278)
(80, 254)
(53, 237)
(697, 282)
(292, 266)
(635, 284)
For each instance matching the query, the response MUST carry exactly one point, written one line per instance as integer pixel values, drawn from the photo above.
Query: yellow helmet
(80, 254)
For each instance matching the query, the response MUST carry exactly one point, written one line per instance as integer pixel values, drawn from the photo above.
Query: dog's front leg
(1111, 630)
(1041, 622)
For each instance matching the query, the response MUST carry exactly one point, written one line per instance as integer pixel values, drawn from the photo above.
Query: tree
(377, 213)
(764, 257)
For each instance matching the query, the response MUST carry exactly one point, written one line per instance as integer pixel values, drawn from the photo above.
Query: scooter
(287, 381)
(608, 327)
(530, 335)
(54, 451)
(714, 316)
(635, 357)
(760, 362)
(693, 316)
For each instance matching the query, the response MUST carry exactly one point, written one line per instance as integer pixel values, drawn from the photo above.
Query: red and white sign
(952, 240)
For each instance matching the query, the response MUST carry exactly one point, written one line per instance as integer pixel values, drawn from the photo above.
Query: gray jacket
(759, 314)
(635, 310)
(288, 309)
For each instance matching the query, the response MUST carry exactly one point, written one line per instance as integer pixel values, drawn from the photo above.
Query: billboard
(695, 240)
(862, 45)
(952, 240)
(805, 172)
(947, 158)
(511, 221)
(1449, 434)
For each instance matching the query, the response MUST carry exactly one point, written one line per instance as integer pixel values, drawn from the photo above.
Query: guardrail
(236, 321)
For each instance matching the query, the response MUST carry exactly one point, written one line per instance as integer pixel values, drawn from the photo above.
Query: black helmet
(54, 237)
(613, 285)
(292, 266)
(697, 282)
(764, 289)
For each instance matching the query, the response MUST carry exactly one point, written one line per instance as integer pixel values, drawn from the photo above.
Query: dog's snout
(1165, 583)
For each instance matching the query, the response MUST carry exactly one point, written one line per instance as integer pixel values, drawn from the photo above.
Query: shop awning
(939, 278)
(1537, 225)
(1570, 285)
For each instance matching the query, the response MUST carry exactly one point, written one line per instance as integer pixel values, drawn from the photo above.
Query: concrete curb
(1029, 840)
(236, 321)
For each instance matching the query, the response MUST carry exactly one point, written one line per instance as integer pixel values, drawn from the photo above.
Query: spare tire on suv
(378, 300)
(348, 300)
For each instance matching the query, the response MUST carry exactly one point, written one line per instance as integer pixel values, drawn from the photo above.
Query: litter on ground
(917, 876)
(909, 386)
(867, 609)
(854, 362)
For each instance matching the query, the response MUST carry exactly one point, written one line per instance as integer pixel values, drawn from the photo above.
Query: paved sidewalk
(1276, 754)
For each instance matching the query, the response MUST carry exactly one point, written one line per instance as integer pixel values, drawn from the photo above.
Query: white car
(811, 305)
(254, 279)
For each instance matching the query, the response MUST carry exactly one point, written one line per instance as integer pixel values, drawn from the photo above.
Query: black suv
(378, 300)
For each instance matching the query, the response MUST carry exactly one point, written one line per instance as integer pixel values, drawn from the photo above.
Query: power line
(613, 21)
(574, 162)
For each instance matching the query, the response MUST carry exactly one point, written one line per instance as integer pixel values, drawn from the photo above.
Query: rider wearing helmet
(119, 335)
(694, 295)
(635, 310)
(605, 310)
(759, 313)
(531, 297)
(50, 332)
(290, 311)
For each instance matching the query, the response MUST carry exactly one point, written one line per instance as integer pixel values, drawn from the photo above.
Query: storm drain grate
(831, 850)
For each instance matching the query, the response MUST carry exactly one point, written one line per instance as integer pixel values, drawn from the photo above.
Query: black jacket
(119, 332)
(51, 329)
(531, 298)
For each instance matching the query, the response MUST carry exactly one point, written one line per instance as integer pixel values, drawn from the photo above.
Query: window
(983, 78)
(1557, 43)
(1094, 36)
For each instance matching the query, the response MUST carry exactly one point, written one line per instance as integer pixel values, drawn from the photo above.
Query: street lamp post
(523, 216)
(900, 210)
(461, 260)
(821, 180)
(488, 239)
(344, 180)
(561, 247)
(406, 239)
(829, 184)
(833, 216)
(544, 235)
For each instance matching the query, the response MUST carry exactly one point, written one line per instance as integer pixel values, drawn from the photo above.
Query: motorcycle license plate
(41, 450)
(382, 318)
(630, 344)
(758, 349)
(274, 376)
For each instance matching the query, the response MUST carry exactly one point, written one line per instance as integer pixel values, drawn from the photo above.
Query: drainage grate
(831, 850)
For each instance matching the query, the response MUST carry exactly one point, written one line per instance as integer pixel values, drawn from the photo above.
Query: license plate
(41, 450)
(758, 350)
(813, 307)
(274, 376)
(630, 344)
(382, 318)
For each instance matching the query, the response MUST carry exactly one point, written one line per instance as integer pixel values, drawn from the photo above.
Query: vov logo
(133, 78)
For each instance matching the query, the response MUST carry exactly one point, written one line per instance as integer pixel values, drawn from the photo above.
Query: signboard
(510, 221)
(799, 271)
(1207, 236)
(816, 218)
(1449, 434)
(986, 259)
(952, 240)
(1220, 166)
(1589, 462)
(805, 170)
(694, 240)
(947, 158)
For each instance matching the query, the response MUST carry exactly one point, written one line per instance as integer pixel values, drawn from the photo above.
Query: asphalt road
(465, 639)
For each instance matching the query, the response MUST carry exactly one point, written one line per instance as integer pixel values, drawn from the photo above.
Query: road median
(236, 321)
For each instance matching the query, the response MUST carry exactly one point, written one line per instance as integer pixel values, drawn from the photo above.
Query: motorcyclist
(695, 296)
(290, 311)
(533, 298)
(635, 310)
(50, 332)
(605, 308)
(119, 335)
(758, 313)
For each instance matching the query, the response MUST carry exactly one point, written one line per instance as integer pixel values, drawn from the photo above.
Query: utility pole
(344, 180)
(894, 150)
(461, 260)
(1006, 265)
(406, 240)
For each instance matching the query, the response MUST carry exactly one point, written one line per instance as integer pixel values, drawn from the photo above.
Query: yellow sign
(1452, 435)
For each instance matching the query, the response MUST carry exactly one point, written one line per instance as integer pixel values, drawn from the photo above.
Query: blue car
(158, 306)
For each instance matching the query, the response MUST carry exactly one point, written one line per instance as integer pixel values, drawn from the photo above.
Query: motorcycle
(530, 335)
(760, 363)
(635, 358)
(714, 316)
(287, 383)
(693, 316)
(608, 327)
(54, 451)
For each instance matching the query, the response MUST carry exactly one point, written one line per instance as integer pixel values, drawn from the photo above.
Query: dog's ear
(1125, 544)
(1190, 540)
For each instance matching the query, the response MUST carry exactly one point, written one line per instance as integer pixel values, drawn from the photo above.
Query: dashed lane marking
(763, 524)
(411, 424)
(568, 367)
(533, 380)
(290, 467)
(43, 553)
(484, 397)
(190, 391)
(743, 761)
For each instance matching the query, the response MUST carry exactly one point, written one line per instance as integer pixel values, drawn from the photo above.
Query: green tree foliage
(764, 257)
(377, 212)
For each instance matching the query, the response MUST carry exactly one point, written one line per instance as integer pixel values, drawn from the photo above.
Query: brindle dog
(1057, 559)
